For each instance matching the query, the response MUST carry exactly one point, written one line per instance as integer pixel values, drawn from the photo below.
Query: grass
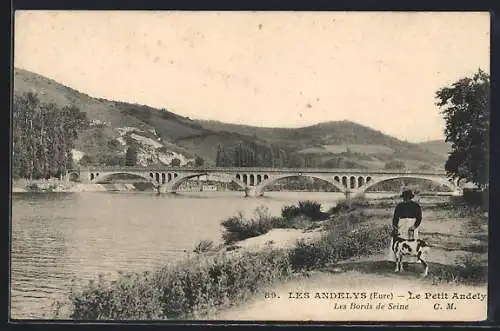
(216, 279)
(201, 286)
(466, 271)
(195, 287)
(349, 204)
(238, 228)
(205, 246)
(344, 238)
(299, 216)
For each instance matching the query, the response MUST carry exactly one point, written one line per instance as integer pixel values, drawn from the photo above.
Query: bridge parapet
(258, 178)
(299, 171)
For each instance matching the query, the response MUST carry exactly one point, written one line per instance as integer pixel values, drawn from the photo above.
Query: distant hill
(360, 143)
(439, 147)
(162, 135)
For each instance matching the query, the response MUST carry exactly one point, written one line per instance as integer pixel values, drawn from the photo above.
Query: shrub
(290, 211)
(190, 289)
(349, 204)
(466, 271)
(237, 228)
(341, 242)
(132, 296)
(311, 209)
(476, 198)
(200, 286)
(204, 246)
(32, 187)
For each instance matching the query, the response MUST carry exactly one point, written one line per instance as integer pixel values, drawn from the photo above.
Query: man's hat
(407, 193)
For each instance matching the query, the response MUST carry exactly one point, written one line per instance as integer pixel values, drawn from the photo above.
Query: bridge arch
(269, 181)
(370, 182)
(177, 181)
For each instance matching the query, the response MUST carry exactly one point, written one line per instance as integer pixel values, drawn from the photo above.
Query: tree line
(465, 106)
(250, 154)
(43, 136)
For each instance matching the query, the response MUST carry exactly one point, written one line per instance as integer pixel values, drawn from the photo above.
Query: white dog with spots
(412, 247)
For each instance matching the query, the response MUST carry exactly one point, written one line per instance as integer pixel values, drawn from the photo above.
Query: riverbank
(223, 279)
(458, 258)
(57, 185)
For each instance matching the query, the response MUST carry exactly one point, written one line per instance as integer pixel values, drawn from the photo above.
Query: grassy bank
(41, 185)
(216, 278)
(304, 215)
(207, 283)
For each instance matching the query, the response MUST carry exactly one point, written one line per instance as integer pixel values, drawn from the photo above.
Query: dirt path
(364, 275)
(451, 239)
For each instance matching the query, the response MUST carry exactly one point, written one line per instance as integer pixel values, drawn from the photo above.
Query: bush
(476, 198)
(132, 296)
(188, 290)
(32, 187)
(237, 228)
(466, 271)
(290, 211)
(349, 204)
(341, 242)
(200, 286)
(204, 246)
(311, 209)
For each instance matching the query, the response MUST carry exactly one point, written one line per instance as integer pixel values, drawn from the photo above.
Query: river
(63, 238)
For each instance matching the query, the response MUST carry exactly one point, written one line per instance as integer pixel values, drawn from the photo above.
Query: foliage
(200, 286)
(43, 137)
(204, 246)
(309, 209)
(467, 270)
(198, 161)
(395, 164)
(341, 242)
(238, 228)
(189, 289)
(478, 198)
(250, 153)
(131, 156)
(349, 204)
(466, 109)
(290, 211)
(175, 162)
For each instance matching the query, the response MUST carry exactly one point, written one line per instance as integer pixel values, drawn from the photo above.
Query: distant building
(209, 188)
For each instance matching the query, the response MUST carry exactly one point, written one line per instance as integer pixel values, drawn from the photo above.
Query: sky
(273, 69)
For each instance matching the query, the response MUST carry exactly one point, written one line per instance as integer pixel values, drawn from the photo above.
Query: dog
(411, 247)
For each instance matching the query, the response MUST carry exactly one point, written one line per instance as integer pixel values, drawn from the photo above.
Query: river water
(60, 238)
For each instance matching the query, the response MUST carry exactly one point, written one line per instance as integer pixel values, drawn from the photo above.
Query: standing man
(407, 216)
(406, 220)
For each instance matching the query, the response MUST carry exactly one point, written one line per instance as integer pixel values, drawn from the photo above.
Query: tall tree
(466, 109)
(198, 161)
(43, 137)
(131, 156)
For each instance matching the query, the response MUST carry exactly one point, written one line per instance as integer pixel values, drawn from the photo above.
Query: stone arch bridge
(254, 180)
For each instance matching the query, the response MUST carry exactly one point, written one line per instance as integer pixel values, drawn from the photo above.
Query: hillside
(360, 143)
(439, 147)
(161, 135)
